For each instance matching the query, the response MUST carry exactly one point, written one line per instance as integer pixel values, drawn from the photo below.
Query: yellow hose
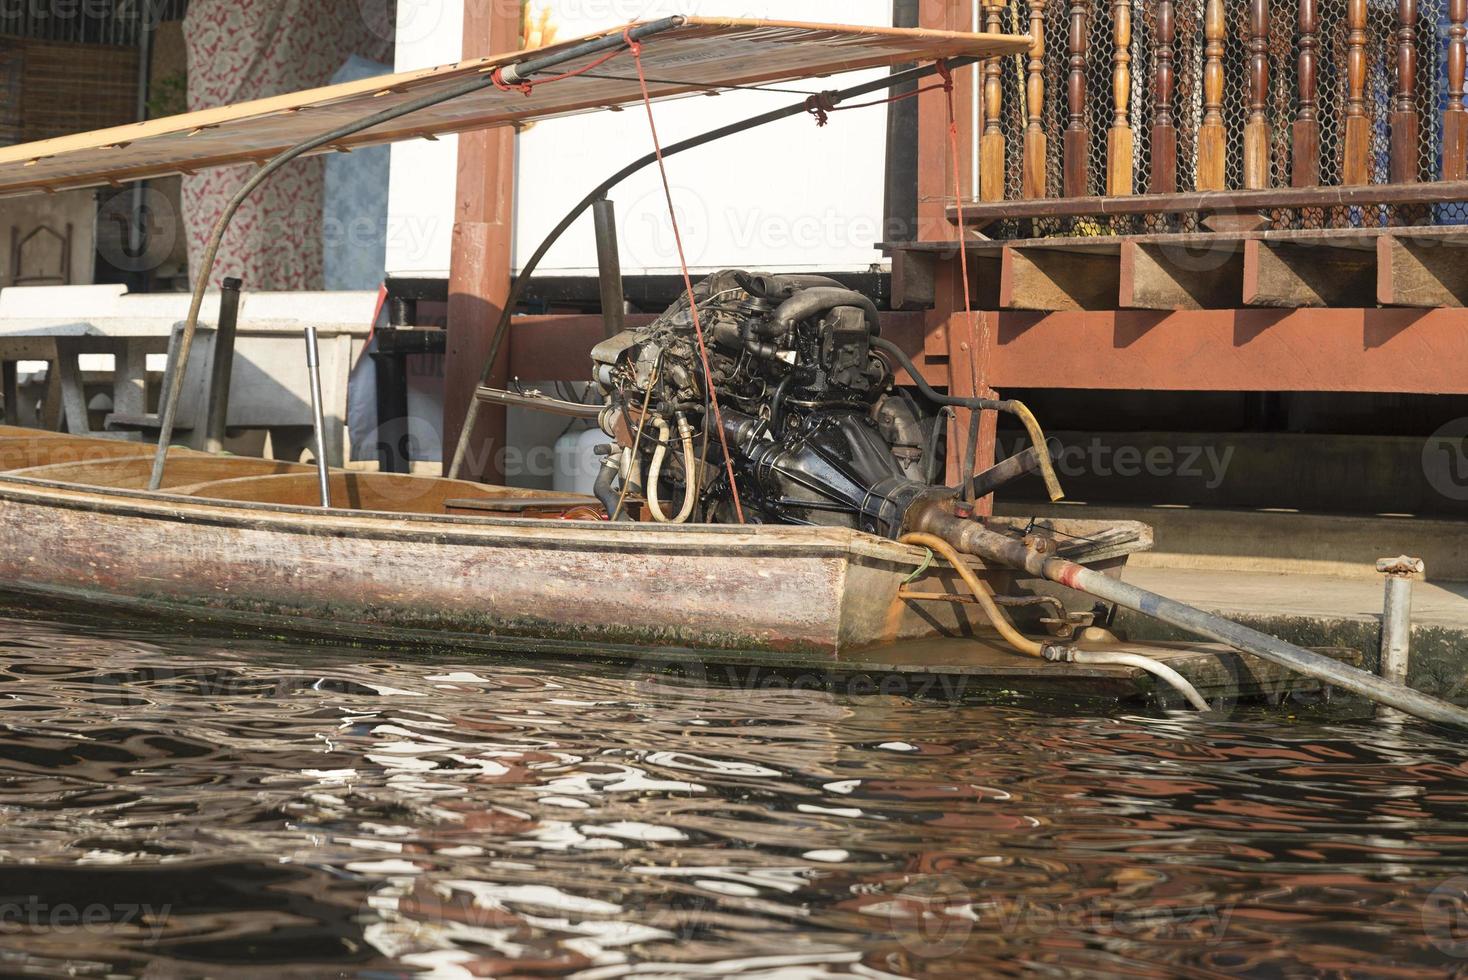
(982, 593)
(1037, 437)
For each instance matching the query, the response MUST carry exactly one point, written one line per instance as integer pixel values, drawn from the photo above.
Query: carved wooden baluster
(1406, 125)
(1356, 167)
(1212, 153)
(1258, 133)
(1120, 140)
(992, 145)
(1455, 119)
(1164, 124)
(1077, 133)
(1036, 142)
(1305, 139)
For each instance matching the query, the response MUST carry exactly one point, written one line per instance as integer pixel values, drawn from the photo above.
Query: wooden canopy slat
(702, 54)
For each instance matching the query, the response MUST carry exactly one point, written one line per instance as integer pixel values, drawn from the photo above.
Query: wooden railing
(1161, 97)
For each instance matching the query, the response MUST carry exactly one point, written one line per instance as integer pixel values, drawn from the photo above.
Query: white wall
(815, 203)
(420, 219)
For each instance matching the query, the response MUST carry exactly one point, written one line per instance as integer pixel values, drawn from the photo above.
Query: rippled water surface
(177, 806)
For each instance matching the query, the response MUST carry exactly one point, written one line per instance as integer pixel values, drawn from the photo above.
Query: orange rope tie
(981, 389)
(708, 374)
(821, 105)
(528, 87)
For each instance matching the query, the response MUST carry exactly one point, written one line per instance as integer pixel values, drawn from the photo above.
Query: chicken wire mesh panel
(1281, 105)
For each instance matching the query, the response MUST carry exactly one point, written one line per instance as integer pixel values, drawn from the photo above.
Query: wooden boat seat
(133, 473)
(383, 492)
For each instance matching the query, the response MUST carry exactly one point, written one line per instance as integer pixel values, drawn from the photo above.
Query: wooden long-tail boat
(452, 562)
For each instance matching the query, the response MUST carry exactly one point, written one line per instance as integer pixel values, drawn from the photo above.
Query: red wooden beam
(1368, 350)
(1400, 351)
(479, 278)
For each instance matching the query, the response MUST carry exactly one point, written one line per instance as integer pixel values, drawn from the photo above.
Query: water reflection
(175, 806)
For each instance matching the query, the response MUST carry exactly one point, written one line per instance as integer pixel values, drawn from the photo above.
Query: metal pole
(222, 370)
(318, 417)
(900, 208)
(1396, 620)
(539, 403)
(136, 234)
(609, 268)
(974, 538)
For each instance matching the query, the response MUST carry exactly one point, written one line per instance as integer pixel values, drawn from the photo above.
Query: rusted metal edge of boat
(427, 562)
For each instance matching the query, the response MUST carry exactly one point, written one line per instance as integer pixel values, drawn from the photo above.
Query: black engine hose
(931, 462)
(605, 488)
(810, 302)
(777, 402)
(1018, 409)
(778, 288)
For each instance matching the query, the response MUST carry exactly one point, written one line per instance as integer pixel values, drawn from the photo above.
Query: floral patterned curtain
(239, 51)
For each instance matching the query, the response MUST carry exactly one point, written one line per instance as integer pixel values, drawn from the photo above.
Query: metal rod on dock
(975, 539)
(537, 402)
(318, 416)
(1396, 620)
(221, 371)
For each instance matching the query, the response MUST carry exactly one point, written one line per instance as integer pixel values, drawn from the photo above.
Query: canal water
(176, 805)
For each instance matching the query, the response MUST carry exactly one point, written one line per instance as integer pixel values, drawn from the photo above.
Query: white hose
(654, 475)
(1151, 666)
(690, 472)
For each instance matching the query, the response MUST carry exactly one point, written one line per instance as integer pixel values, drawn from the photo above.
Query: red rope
(957, 162)
(528, 87)
(968, 301)
(821, 105)
(708, 374)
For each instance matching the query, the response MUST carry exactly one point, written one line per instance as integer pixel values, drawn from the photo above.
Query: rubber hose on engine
(1015, 408)
(809, 302)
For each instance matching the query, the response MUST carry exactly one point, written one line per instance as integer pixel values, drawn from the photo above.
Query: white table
(269, 387)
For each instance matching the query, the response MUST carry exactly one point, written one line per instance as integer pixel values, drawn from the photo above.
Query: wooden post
(935, 167)
(1212, 151)
(1406, 125)
(1455, 119)
(1036, 145)
(1305, 134)
(991, 145)
(479, 274)
(1164, 124)
(1258, 133)
(1077, 133)
(1120, 140)
(1356, 167)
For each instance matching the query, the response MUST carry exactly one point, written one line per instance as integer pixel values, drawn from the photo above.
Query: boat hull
(808, 592)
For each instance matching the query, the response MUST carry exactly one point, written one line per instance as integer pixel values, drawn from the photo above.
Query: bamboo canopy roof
(698, 55)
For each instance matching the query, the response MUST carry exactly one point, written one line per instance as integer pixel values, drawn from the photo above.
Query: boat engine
(817, 432)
